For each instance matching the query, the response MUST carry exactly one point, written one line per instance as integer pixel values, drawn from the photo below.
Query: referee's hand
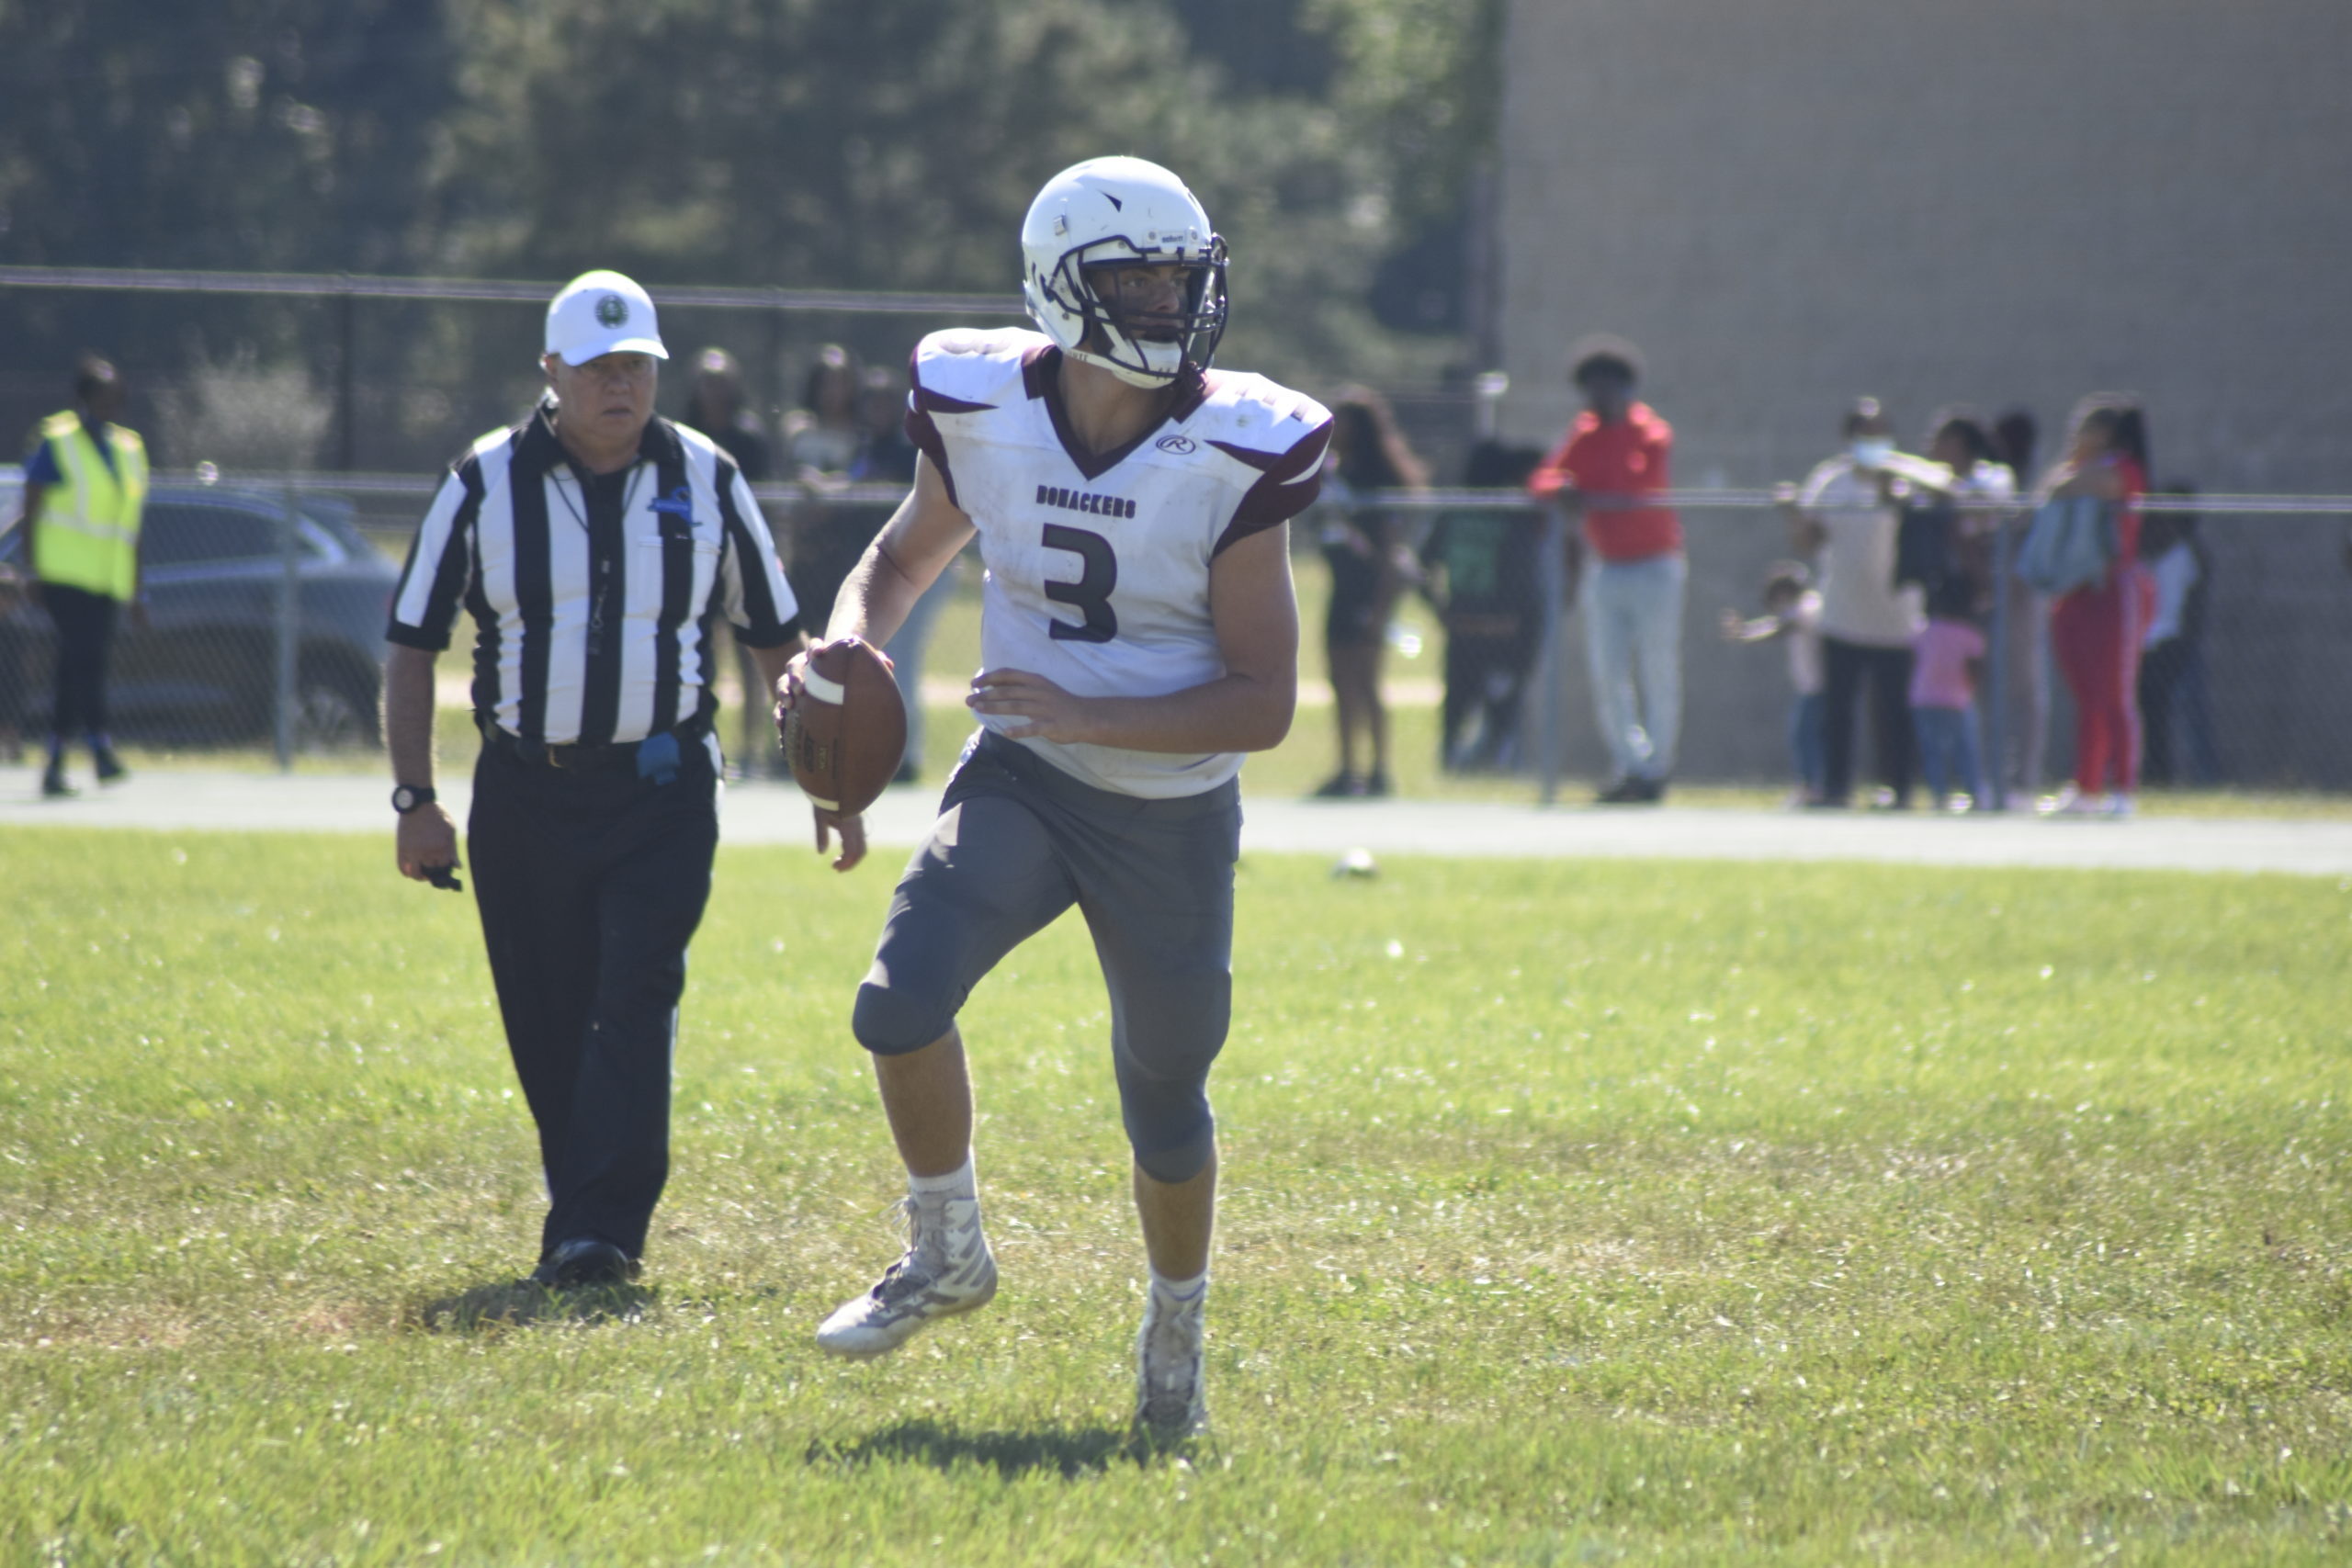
(426, 837)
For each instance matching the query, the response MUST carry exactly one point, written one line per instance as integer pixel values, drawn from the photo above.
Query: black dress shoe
(584, 1260)
(53, 785)
(110, 768)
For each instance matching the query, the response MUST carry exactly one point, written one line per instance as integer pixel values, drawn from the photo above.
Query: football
(845, 734)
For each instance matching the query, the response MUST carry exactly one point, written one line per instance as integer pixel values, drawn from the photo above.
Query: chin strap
(1133, 375)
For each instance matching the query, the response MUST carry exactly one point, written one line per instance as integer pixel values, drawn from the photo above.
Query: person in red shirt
(1605, 474)
(2094, 630)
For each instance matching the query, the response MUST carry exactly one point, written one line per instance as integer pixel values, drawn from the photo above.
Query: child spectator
(1479, 574)
(1945, 659)
(1792, 610)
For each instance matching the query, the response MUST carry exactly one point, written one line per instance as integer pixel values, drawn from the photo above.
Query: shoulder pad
(961, 370)
(1248, 409)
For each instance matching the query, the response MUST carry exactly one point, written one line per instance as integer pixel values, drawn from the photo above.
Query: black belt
(611, 757)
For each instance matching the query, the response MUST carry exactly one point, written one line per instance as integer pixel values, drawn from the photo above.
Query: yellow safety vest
(88, 533)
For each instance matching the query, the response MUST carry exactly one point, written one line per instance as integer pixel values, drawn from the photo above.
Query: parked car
(204, 670)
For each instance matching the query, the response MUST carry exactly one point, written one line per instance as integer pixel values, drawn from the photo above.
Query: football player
(1139, 633)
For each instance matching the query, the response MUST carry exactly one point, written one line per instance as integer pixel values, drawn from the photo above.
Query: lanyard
(602, 590)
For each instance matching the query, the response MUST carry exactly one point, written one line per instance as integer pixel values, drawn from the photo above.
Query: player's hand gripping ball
(847, 729)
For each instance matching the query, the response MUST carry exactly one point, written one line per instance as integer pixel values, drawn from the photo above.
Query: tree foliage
(838, 143)
(243, 134)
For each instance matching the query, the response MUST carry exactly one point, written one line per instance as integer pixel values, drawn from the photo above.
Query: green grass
(1574, 1212)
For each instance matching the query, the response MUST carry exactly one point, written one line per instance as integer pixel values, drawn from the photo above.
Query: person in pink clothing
(1945, 658)
(2094, 630)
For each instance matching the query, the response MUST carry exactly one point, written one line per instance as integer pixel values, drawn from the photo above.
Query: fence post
(289, 627)
(346, 376)
(1549, 575)
(1996, 766)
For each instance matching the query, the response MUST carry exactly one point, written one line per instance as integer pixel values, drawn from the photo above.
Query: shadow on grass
(521, 1303)
(1065, 1452)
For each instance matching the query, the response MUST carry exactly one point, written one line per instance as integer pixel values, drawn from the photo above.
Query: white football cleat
(1172, 1400)
(948, 1269)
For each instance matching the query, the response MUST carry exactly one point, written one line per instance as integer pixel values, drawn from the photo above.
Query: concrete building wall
(2003, 202)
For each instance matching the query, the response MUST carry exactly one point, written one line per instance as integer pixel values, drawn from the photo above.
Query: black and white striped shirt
(593, 595)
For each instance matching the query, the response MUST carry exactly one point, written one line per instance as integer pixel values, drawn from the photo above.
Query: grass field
(1575, 1213)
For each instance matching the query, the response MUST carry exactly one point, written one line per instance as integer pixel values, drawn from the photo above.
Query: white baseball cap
(602, 312)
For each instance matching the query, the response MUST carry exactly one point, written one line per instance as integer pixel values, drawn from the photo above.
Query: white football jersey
(1098, 566)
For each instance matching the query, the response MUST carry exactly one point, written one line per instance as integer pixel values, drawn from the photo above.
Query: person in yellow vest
(85, 486)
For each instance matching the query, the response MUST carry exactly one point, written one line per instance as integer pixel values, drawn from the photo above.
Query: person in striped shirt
(594, 546)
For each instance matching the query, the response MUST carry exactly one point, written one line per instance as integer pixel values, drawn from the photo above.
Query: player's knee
(891, 1020)
(1172, 1136)
(1163, 1073)
(1178, 1160)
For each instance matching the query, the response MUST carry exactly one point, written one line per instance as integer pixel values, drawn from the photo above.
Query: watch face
(407, 798)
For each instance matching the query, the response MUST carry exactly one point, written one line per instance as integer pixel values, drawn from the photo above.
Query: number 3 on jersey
(1092, 593)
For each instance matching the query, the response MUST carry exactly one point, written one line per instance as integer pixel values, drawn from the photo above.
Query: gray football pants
(1017, 842)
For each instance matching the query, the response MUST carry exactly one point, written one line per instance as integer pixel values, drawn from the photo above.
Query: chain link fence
(268, 592)
(268, 578)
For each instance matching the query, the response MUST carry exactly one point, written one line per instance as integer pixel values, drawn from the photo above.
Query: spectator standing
(85, 495)
(1479, 571)
(2094, 630)
(2028, 642)
(592, 543)
(2175, 710)
(1946, 658)
(1848, 511)
(884, 455)
(718, 408)
(1607, 472)
(1364, 546)
(821, 438)
(1792, 612)
(1983, 491)
(714, 405)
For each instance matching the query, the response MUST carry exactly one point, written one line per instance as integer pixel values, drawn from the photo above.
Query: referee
(593, 545)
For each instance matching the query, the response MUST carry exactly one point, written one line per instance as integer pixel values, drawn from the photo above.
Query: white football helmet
(1113, 211)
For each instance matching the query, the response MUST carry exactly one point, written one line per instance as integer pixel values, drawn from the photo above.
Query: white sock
(957, 1183)
(1180, 1293)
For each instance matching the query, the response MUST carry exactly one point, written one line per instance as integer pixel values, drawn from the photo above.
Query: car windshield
(179, 531)
(185, 530)
(179, 534)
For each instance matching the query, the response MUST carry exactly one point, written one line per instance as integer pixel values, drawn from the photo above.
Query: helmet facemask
(1152, 351)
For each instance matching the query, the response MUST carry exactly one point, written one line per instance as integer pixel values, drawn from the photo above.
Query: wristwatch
(408, 797)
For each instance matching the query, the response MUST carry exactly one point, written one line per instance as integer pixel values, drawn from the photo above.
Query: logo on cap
(612, 310)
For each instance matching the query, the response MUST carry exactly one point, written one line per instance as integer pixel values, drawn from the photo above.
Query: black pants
(1845, 667)
(590, 886)
(84, 623)
(1484, 677)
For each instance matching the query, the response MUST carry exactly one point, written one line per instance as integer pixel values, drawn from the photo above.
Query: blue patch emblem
(679, 502)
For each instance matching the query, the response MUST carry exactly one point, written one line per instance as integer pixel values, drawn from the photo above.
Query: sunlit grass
(1572, 1212)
